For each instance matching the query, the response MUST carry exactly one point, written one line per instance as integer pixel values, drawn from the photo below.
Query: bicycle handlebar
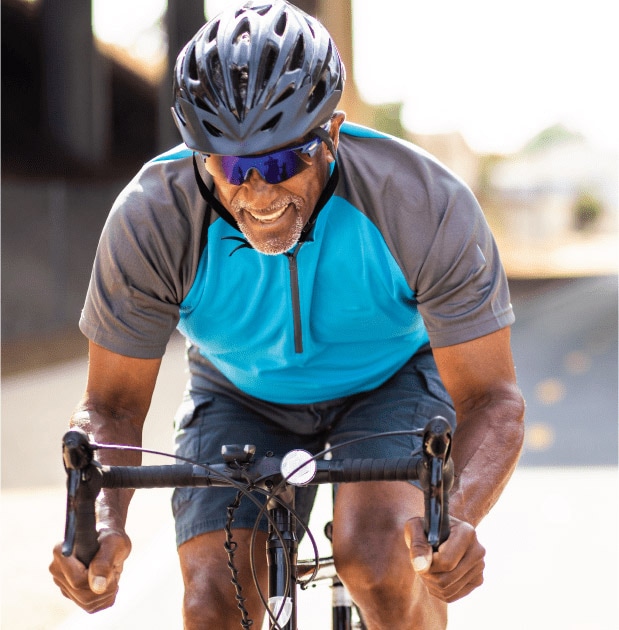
(85, 478)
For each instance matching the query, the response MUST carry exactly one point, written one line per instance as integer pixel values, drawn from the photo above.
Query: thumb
(417, 542)
(97, 583)
(102, 572)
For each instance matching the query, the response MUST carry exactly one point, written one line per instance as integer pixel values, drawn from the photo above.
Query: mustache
(274, 206)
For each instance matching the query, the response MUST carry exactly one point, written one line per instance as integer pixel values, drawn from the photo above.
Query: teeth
(266, 218)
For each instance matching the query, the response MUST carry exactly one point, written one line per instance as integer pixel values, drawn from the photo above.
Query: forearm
(109, 427)
(486, 447)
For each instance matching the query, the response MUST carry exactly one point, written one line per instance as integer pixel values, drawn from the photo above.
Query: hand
(456, 568)
(93, 588)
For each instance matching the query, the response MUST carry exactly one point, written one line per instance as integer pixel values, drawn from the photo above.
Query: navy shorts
(219, 415)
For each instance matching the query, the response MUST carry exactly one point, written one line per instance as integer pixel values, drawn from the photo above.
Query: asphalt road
(565, 350)
(551, 539)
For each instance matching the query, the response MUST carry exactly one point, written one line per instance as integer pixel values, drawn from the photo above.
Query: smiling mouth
(268, 218)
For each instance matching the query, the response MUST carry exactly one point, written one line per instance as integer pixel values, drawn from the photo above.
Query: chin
(272, 247)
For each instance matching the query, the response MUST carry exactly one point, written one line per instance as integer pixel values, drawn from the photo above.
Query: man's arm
(480, 377)
(113, 409)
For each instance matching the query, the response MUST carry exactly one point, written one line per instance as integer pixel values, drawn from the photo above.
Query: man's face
(272, 216)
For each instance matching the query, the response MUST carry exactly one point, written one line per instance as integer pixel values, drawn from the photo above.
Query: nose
(255, 179)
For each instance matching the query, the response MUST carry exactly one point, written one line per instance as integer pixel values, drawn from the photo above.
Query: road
(565, 350)
(551, 539)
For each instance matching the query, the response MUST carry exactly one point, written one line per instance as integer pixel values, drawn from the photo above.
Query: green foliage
(587, 211)
(388, 120)
(551, 136)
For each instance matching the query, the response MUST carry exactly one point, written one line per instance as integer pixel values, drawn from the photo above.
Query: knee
(211, 599)
(368, 579)
(382, 583)
(208, 600)
(373, 562)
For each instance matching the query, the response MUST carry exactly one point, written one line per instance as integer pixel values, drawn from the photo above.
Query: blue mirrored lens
(274, 167)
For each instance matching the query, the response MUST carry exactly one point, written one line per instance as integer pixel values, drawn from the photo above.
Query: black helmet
(256, 77)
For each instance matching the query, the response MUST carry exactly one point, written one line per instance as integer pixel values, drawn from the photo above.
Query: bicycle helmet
(256, 77)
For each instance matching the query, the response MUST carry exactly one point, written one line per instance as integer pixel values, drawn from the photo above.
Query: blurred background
(520, 100)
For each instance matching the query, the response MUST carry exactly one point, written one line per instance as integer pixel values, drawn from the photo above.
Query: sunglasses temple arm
(326, 138)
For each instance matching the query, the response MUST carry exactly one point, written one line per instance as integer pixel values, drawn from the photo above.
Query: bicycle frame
(274, 477)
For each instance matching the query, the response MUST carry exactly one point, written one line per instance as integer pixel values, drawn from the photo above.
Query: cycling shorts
(218, 415)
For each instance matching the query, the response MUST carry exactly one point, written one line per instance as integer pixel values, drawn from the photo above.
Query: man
(332, 282)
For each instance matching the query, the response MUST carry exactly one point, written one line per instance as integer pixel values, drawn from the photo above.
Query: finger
(105, 568)
(457, 582)
(68, 570)
(417, 542)
(458, 589)
(71, 577)
(85, 598)
(453, 552)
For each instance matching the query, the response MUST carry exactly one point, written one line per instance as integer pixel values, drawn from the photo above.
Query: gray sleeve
(462, 289)
(437, 233)
(144, 265)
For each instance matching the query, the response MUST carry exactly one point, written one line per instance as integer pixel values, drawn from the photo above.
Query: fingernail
(420, 563)
(99, 584)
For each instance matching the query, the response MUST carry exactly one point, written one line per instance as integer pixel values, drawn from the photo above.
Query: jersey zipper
(296, 302)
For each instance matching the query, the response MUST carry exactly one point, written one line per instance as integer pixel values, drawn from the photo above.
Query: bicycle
(275, 478)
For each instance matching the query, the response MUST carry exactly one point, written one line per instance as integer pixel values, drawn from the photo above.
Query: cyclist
(332, 282)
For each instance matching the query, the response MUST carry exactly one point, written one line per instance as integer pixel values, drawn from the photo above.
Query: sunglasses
(274, 167)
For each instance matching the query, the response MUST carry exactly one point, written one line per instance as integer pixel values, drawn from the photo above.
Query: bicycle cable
(246, 491)
(230, 547)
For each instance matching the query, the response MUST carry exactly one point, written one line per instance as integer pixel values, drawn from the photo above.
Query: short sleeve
(144, 265)
(462, 289)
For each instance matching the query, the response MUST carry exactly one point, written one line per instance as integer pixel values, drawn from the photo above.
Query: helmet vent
(318, 93)
(192, 67)
(262, 10)
(241, 33)
(298, 55)
(280, 27)
(267, 63)
(289, 91)
(271, 123)
(214, 71)
(213, 131)
(240, 79)
(212, 34)
(202, 104)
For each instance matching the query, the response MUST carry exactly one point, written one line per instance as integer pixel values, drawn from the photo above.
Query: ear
(334, 131)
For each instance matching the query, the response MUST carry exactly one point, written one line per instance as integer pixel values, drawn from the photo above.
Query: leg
(368, 526)
(209, 600)
(202, 426)
(373, 560)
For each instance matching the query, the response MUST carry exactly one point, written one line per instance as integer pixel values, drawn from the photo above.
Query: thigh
(374, 514)
(200, 431)
(406, 402)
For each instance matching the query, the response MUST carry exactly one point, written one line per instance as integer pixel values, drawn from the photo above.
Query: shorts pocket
(428, 374)
(188, 436)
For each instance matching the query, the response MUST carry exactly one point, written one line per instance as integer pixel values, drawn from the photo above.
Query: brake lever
(438, 479)
(83, 485)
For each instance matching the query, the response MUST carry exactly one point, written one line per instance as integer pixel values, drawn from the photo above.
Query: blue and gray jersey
(400, 255)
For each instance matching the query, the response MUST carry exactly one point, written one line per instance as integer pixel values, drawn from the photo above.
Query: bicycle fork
(282, 549)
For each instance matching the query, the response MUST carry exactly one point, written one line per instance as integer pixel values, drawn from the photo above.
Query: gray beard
(276, 245)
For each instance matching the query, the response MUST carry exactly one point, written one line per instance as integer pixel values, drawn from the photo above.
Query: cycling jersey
(399, 255)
